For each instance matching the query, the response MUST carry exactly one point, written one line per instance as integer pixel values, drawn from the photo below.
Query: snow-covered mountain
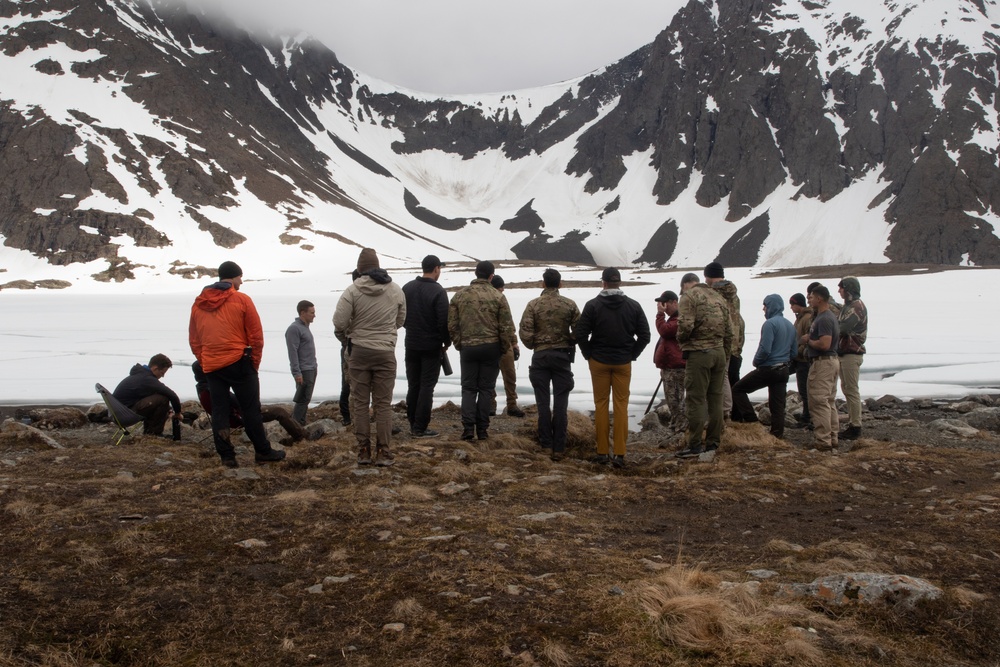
(141, 141)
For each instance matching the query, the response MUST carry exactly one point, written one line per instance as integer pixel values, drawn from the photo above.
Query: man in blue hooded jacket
(778, 346)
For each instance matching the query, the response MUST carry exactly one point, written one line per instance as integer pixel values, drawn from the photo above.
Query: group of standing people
(699, 357)
(699, 354)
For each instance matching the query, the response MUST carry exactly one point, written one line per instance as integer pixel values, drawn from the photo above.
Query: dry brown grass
(172, 587)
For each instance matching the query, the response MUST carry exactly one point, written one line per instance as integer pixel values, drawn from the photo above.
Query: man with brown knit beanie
(368, 314)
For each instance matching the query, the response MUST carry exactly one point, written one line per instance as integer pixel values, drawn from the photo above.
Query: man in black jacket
(143, 392)
(612, 332)
(426, 339)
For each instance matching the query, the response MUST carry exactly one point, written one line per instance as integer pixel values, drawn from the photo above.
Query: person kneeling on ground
(144, 393)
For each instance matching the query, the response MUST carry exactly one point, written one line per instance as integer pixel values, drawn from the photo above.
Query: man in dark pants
(426, 339)
(547, 328)
(481, 328)
(778, 346)
(145, 394)
(803, 320)
(226, 337)
(345, 375)
(302, 358)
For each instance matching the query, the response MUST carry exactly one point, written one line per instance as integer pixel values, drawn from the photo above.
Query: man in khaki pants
(824, 367)
(853, 323)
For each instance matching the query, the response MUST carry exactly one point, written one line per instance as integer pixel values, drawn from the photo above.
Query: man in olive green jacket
(481, 328)
(705, 334)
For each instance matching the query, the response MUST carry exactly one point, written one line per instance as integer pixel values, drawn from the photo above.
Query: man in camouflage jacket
(481, 328)
(853, 321)
(705, 334)
(715, 277)
(547, 328)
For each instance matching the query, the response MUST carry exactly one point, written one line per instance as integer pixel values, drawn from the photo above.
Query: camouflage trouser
(673, 396)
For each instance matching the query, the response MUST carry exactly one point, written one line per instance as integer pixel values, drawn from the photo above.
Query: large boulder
(897, 590)
(986, 419)
(54, 418)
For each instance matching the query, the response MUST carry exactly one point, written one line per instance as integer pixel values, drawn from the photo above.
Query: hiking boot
(468, 433)
(272, 456)
(383, 457)
(711, 448)
(230, 462)
(365, 455)
(618, 461)
(556, 457)
(850, 433)
(425, 433)
(689, 453)
(346, 422)
(482, 434)
(601, 459)
(515, 411)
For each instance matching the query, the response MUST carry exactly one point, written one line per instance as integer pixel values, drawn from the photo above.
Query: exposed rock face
(734, 102)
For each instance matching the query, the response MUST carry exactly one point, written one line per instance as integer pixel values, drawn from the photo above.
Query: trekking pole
(653, 397)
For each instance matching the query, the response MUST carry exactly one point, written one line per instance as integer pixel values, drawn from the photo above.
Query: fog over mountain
(142, 141)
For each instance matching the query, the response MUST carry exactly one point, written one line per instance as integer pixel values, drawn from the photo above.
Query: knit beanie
(715, 270)
(367, 260)
(797, 299)
(497, 282)
(229, 270)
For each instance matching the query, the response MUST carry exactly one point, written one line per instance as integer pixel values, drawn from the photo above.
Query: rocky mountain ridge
(140, 139)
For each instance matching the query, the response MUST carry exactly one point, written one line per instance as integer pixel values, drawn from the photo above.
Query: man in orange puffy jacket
(226, 337)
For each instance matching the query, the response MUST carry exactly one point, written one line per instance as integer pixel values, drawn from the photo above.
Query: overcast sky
(467, 46)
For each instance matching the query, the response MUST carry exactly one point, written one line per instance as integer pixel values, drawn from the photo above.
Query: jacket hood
(726, 289)
(774, 306)
(612, 298)
(852, 286)
(372, 285)
(139, 368)
(213, 296)
(379, 276)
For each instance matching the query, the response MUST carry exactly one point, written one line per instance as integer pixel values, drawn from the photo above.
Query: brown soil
(132, 556)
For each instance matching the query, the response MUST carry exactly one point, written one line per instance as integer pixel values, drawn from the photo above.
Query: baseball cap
(666, 296)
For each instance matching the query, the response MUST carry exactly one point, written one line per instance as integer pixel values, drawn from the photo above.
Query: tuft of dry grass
(408, 609)
(556, 654)
(802, 652)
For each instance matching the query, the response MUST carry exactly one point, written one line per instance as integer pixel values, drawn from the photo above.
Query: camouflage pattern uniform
(547, 328)
(853, 321)
(481, 328)
(705, 334)
(478, 315)
(728, 292)
(803, 321)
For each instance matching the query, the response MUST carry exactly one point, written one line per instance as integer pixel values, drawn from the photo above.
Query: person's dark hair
(690, 278)
(355, 274)
(484, 269)
(812, 286)
(429, 263)
(160, 361)
(821, 292)
(304, 306)
(551, 278)
(497, 282)
(715, 270)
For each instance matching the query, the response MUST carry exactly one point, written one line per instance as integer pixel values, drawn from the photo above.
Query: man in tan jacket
(368, 315)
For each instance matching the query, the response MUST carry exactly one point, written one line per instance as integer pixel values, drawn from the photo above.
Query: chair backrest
(122, 416)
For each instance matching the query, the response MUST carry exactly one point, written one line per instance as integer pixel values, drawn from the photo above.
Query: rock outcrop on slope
(740, 110)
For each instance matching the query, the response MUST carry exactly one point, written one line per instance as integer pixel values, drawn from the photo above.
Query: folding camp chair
(122, 417)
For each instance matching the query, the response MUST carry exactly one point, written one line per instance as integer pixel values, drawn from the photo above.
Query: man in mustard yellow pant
(612, 331)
